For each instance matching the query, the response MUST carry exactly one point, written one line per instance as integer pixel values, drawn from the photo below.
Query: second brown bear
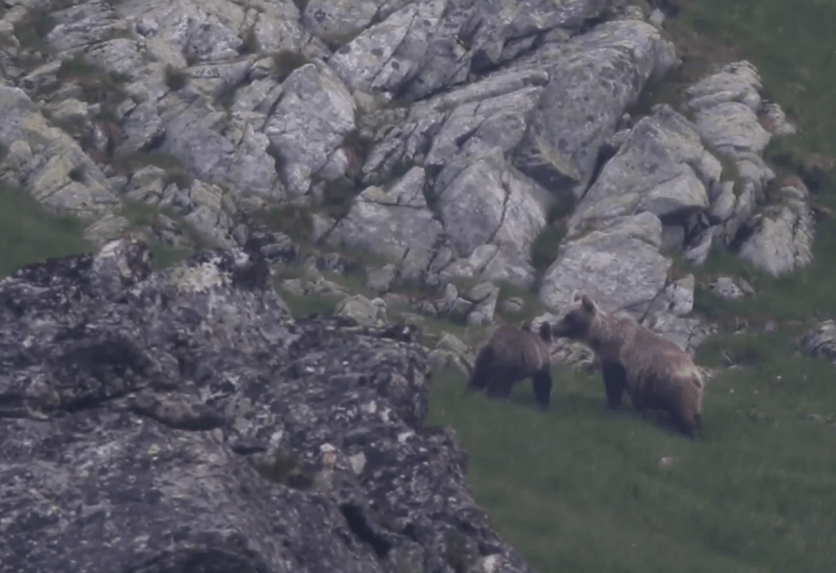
(510, 356)
(655, 372)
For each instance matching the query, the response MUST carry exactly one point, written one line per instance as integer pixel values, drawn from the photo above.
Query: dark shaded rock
(183, 421)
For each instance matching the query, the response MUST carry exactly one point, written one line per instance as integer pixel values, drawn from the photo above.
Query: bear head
(577, 323)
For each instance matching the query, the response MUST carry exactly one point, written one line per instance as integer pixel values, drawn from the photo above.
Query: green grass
(28, 234)
(792, 46)
(580, 488)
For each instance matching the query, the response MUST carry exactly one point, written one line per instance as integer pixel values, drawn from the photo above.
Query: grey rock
(679, 296)
(450, 350)
(315, 285)
(364, 311)
(475, 127)
(593, 78)
(731, 288)
(662, 167)
(722, 207)
(781, 236)
(381, 279)
(309, 124)
(485, 200)
(512, 305)
(339, 21)
(657, 18)
(726, 105)
(673, 237)
(395, 223)
(48, 163)
(820, 341)
(390, 53)
(424, 47)
(619, 266)
(687, 332)
(485, 114)
(700, 246)
(776, 120)
(144, 413)
(484, 297)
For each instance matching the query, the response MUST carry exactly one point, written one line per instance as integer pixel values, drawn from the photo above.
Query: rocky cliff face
(182, 421)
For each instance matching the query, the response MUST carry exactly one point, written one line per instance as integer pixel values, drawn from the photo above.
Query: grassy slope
(581, 489)
(29, 235)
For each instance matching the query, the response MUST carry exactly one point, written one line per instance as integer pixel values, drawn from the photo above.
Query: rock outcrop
(182, 421)
(820, 342)
(446, 137)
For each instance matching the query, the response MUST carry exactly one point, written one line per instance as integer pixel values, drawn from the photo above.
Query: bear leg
(481, 371)
(542, 382)
(500, 383)
(615, 379)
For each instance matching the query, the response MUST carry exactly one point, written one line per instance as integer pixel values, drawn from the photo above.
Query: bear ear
(576, 296)
(588, 304)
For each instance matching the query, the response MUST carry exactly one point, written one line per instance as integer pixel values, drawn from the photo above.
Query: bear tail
(481, 369)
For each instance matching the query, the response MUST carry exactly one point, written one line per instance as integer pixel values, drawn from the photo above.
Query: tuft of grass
(544, 249)
(306, 305)
(175, 172)
(97, 85)
(164, 255)
(29, 234)
(657, 90)
(249, 42)
(143, 216)
(226, 95)
(283, 468)
(31, 30)
(357, 146)
(175, 78)
(294, 221)
(279, 160)
(338, 197)
(77, 174)
(581, 488)
(286, 61)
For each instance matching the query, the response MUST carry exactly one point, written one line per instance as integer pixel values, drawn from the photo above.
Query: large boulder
(183, 421)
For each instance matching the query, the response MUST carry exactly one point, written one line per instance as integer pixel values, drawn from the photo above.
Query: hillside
(449, 164)
(757, 494)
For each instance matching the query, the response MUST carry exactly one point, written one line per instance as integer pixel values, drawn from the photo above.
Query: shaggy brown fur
(510, 356)
(655, 372)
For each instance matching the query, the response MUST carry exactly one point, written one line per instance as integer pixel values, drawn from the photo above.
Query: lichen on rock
(139, 409)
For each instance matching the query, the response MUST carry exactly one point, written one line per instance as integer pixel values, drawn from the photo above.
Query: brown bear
(655, 372)
(511, 355)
